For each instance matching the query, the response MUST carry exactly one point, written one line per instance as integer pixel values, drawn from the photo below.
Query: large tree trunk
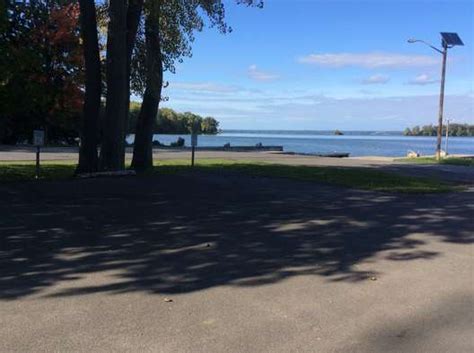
(88, 159)
(143, 148)
(112, 153)
(135, 8)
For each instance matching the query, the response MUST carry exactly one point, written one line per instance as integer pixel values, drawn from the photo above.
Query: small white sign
(38, 137)
(194, 140)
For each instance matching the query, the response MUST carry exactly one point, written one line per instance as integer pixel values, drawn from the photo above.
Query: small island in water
(338, 133)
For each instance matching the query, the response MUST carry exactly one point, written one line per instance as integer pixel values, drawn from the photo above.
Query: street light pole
(448, 40)
(441, 102)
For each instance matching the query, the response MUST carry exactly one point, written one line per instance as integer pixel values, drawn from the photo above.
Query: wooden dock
(227, 148)
(327, 155)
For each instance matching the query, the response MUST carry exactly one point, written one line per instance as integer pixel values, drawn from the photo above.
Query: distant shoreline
(276, 133)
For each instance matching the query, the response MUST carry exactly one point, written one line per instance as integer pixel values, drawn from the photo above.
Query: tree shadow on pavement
(173, 234)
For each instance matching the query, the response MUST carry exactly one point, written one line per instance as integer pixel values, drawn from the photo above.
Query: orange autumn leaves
(41, 70)
(59, 36)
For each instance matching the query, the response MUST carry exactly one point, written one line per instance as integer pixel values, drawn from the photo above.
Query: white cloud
(316, 111)
(366, 92)
(422, 79)
(369, 60)
(203, 87)
(379, 113)
(376, 79)
(258, 75)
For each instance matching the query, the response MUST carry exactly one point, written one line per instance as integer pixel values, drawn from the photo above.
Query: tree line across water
(62, 61)
(431, 130)
(169, 121)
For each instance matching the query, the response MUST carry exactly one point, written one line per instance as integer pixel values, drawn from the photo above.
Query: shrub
(179, 142)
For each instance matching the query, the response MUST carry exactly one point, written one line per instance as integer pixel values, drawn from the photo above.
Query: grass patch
(468, 162)
(24, 171)
(361, 178)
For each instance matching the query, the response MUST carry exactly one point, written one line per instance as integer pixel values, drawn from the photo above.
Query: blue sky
(301, 64)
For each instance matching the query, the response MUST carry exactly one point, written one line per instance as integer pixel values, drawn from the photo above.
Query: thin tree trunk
(112, 153)
(88, 159)
(143, 148)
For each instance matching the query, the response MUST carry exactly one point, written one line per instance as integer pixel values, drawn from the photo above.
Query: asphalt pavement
(229, 263)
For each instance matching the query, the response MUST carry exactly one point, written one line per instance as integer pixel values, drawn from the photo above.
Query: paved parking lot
(228, 263)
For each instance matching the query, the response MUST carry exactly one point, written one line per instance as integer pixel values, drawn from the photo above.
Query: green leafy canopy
(178, 21)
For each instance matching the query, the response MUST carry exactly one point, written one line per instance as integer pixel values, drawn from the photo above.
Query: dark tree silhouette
(88, 159)
(112, 153)
(143, 149)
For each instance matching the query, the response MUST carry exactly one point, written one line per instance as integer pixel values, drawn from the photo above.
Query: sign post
(447, 138)
(194, 143)
(38, 141)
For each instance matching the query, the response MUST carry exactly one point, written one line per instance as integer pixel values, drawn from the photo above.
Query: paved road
(227, 263)
(458, 174)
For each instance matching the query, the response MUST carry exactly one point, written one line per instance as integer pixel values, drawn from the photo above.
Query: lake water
(357, 143)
